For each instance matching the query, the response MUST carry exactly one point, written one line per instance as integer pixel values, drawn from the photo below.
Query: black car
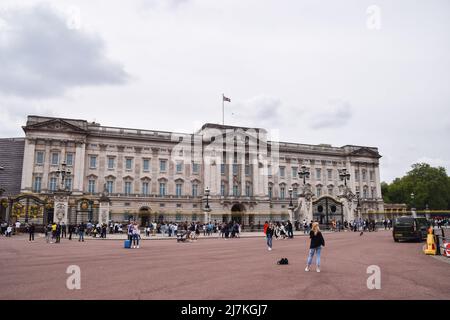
(410, 228)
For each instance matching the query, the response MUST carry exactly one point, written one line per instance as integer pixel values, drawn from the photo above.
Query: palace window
(374, 193)
(270, 192)
(111, 161)
(110, 186)
(178, 189)
(282, 172)
(248, 190)
(179, 167)
(222, 189)
(128, 163)
(162, 189)
(364, 175)
(235, 169)
(69, 159)
(145, 189)
(294, 172)
(318, 191)
(91, 186)
(269, 170)
(69, 184)
(318, 174)
(37, 184)
(146, 165)
(53, 182)
(93, 162)
(247, 170)
(330, 191)
(356, 174)
(282, 193)
(127, 188)
(40, 157)
(222, 168)
(194, 189)
(195, 167)
(235, 190)
(162, 165)
(371, 175)
(295, 192)
(330, 174)
(55, 158)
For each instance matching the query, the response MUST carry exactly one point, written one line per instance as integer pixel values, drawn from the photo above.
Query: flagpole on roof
(223, 109)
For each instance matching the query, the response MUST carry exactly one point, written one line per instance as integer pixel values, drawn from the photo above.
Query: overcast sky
(336, 72)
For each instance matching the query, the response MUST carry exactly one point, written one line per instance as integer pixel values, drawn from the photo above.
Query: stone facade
(154, 175)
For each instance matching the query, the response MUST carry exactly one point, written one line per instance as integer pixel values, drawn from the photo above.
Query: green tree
(430, 185)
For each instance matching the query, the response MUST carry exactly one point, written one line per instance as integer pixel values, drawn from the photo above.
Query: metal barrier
(441, 241)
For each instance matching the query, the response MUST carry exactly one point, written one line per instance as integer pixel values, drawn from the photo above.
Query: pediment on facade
(365, 152)
(147, 178)
(57, 125)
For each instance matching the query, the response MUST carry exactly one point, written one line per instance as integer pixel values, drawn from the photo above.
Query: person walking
(269, 236)
(31, 232)
(315, 247)
(305, 227)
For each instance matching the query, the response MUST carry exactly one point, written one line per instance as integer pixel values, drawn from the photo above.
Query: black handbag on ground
(283, 261)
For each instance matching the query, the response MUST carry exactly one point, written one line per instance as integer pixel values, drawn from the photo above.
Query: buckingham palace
(74, 170)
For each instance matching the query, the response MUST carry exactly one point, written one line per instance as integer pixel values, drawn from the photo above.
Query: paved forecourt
(221, 269)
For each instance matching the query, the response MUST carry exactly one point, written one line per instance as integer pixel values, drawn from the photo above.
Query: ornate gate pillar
(61, 207)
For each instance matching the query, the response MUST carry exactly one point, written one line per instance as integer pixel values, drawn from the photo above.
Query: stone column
(104, 211)
(28, 165)
(78, 174)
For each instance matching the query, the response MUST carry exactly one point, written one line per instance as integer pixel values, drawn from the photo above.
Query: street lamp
(304, 173)
(344, 175)
(413, 209)
(63, 172)
(358, 206)
(291, 205)
(207, 198)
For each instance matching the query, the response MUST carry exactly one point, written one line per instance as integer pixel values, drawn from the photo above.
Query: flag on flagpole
(226, 99)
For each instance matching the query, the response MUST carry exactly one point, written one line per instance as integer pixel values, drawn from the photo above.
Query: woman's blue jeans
(135, 238)
(311, 255)
(269, 241)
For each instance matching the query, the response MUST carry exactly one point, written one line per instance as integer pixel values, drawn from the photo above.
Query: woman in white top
(135, 235)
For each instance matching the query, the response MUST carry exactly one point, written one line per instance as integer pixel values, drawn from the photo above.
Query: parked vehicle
(410, 228)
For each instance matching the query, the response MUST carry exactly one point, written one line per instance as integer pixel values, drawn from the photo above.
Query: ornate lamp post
(207, 191)
(63, 172)
(344, 175)
(413, 209)
(207, 208)
(291, 205)
(303, 174)
(358, 206)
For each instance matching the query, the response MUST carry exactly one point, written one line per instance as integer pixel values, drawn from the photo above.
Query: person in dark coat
(31, 232)
(317, 242)
(269, 235)
(58, 233)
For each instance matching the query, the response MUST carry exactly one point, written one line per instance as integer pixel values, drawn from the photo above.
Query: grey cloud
(259, 111)
(336, 114)
(41, 57)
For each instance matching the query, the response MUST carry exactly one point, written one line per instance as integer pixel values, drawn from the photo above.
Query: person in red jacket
(266, 225)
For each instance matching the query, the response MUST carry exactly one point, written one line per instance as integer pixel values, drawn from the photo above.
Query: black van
(410, 228)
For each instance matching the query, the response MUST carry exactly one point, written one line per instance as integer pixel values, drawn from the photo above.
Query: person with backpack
(269, 235)
(315, 247)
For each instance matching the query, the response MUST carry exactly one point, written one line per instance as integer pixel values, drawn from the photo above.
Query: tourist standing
(48, 233)
(58, 233)
(31, 232)
(63, 230)
(9, 231)
(81, 229)
(315, 247)
(269, 236)
(135, 235)
(70, 231)
(289, 229)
